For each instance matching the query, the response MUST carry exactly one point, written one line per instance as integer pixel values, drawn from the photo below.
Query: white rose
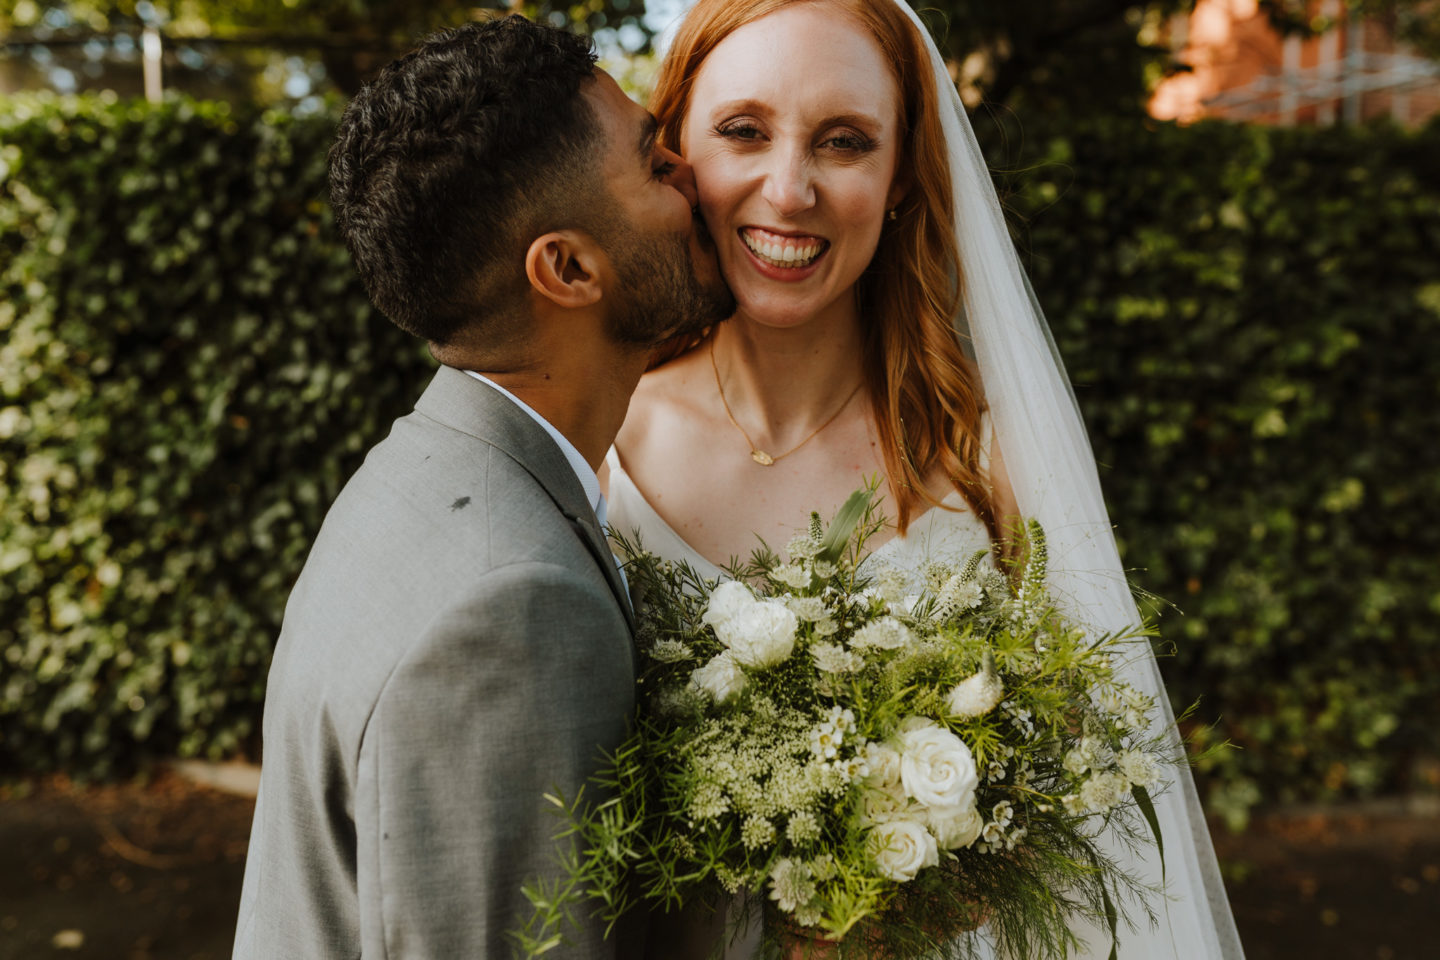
(884, 763)
(955, 827)
(882, 804)
(726, 601)
(935, 765)
(760, 635)
(902, 848)
(720, 678)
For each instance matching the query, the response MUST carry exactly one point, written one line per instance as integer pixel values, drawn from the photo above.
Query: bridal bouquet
(882, 762)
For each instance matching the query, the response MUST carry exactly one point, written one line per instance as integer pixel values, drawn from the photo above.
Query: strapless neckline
(630, 512)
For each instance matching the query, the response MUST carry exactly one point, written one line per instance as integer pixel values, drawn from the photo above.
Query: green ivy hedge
(1250, 317)
(189, 371)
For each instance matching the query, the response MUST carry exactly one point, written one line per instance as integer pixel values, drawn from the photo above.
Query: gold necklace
(756, 454)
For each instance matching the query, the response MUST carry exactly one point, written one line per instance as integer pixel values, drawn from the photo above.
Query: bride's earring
(891, 215)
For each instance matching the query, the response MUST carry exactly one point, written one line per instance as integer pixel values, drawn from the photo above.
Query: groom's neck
(582, 390)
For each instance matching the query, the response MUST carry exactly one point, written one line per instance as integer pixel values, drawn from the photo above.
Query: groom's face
(666, 280)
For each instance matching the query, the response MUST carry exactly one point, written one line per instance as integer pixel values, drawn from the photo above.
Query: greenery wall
(1250, 317)
(188, 372)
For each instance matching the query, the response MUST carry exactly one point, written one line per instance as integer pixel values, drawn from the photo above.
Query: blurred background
(1230, 210)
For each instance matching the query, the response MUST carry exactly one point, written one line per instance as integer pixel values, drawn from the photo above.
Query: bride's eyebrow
(760, 108)
(852, 120)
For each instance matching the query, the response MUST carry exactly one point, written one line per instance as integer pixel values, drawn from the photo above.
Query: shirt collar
(588, 481)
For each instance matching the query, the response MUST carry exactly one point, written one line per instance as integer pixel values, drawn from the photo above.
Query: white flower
(803, 547)
(935, 765)
(1140, 768)
(1003, 812)
(853, 769)
(825, 740)
(976, 696)
(993, 833)
(670, 651)
(843, 718)
(810, 609)
(1014, 837)
(958, 593)
(720, 678)
(793, 575)
(726, 600)
(1076, 763)
(802, 828)
(882, 804)
(759, 635)
(756, 832)
(824, 569)
(833, 658)
(902, 848)
(884, 764)
(887, 633)
(1103, 791)
(826, 627)
(954, 827)
(791, 885)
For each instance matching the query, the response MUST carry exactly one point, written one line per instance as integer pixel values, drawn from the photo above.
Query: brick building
(1243, 69)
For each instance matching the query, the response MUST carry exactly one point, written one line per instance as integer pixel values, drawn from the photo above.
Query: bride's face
(793, 134)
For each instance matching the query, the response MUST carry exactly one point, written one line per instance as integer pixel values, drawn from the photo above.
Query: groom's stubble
(660, 294)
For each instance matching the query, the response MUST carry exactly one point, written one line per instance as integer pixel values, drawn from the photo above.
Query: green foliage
(188, 372)
(1248, 315)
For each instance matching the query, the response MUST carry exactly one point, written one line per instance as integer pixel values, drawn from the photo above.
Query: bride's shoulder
(666, 399)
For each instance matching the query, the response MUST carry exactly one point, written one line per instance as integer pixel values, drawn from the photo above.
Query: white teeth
(782, 254)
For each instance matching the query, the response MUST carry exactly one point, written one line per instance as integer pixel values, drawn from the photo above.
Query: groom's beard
(659, 295)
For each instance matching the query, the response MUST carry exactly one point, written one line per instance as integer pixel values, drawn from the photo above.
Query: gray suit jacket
(458, 645)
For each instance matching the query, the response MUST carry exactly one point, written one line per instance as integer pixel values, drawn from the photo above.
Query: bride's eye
(739, 130)
(848, 143)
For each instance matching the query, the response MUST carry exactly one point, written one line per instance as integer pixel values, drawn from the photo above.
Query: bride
(883, 327)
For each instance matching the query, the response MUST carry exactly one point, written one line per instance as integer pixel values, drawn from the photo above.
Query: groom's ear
(565, 268)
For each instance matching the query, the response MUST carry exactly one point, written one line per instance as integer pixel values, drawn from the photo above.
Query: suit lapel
(463, 403)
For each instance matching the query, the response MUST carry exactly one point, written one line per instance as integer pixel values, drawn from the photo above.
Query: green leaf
(1147, 808)
(847, 518)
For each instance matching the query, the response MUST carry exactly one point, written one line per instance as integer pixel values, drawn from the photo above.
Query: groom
(460, 642)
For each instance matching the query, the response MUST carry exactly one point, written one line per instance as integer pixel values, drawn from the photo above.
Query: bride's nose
(789, 186)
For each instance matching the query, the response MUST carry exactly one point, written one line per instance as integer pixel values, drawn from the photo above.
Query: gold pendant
(761, 457)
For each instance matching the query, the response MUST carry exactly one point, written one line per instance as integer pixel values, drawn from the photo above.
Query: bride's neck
(787, 380)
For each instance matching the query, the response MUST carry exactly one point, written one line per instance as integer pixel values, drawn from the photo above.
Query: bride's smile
(795, 161)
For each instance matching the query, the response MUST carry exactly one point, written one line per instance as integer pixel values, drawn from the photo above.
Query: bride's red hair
(923, 390)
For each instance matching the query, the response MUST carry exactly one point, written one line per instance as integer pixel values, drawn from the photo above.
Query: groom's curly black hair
(452, 160)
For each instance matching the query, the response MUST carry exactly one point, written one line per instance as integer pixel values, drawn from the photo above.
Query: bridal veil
(1047, 454)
